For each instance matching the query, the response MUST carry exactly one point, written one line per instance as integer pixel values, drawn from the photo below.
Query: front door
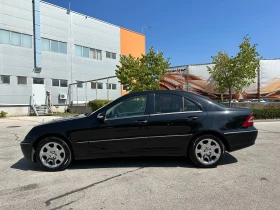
(171, 124)
(39, 94)
(124, 131)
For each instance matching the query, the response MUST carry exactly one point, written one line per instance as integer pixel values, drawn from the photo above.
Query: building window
(16, 37)
(99, 85)
(88, 52)
(26, 41)
(63, 47)
(54, 46)
(5, 79)
(108, 55)
(111, 86)
(55, 82)
(79, 84)
(63, 83)
(22, 80)
(45, 44)
(125, 87)
(111, 55)
(85, 52)
(39, 81)
(79, 50)
(4, 37)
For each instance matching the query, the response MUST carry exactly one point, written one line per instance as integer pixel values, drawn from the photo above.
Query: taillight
(249, 121)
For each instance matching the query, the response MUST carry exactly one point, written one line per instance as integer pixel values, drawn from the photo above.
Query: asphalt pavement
(247, 179)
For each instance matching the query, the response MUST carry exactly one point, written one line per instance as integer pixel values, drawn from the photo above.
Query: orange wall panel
(131, 43)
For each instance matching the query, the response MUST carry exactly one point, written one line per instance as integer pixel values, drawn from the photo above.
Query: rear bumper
(26, 149)
(241, 139)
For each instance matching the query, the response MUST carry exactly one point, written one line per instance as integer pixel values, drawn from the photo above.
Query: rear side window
(168, 103)
(190, 106)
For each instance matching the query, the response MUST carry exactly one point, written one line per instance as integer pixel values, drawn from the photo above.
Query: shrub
(3, 114)
(96, 104)
(267, 113)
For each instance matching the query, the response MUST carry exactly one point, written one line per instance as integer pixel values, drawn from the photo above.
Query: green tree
(139, 74)
(235, 73)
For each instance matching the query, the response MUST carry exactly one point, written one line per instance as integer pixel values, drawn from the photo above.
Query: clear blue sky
(191, 31)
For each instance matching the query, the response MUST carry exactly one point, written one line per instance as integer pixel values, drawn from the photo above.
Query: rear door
(173, 120)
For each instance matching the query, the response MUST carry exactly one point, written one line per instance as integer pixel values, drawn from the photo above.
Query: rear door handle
(190, 118)
(141, 122)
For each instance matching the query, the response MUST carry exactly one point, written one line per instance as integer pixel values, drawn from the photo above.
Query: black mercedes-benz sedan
(149, 123)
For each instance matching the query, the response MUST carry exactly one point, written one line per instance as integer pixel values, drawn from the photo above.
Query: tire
(53, 154)
(207, 151)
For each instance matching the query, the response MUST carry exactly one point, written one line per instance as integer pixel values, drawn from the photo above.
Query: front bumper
(26, 149)
(241, 139)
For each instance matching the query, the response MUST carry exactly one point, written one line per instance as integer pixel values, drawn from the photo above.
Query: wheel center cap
(207, 151)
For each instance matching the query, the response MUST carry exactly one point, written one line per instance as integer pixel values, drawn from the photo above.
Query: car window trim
(133, 116)
(176, 113)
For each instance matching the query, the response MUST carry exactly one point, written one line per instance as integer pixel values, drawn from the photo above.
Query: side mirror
(101, 116)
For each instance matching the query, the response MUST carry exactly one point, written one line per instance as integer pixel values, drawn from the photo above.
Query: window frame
(80, 83)
(21, 77)
(1, 79)
(26, 35)
(11, 38)
(9, 35)
(38, 83)
(202, 109)
(63, 80)
(55, 85)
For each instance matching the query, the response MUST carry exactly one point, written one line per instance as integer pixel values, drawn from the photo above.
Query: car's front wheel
(207, 151)
(53, 154)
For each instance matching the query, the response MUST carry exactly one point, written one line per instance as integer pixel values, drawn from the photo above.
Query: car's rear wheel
(53, 154)
(207, 151)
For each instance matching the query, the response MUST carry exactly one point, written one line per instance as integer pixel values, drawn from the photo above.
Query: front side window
(4, 37)
(22, 80)
(134, 106)
(5, 79)
(168, 103)
(16, 39)
(39, 81)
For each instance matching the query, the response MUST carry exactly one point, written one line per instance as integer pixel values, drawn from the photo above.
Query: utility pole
(259, 83)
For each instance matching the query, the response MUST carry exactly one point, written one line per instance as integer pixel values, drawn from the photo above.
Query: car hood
(64, 119)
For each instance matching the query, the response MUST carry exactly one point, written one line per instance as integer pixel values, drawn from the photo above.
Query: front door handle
(191, 118)
(141, 122)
